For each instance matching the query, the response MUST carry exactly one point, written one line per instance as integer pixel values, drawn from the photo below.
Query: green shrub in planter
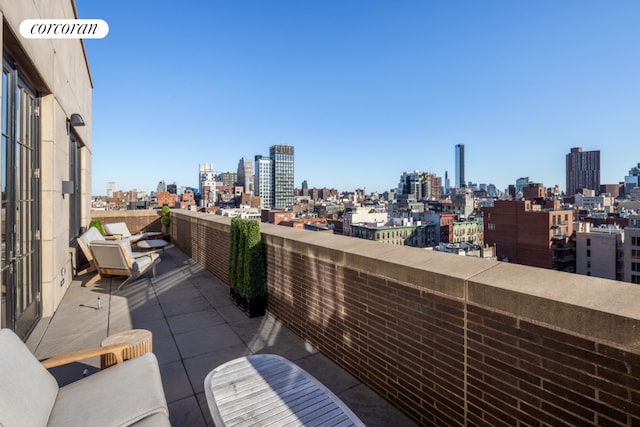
(254, 270)
(97, 224)
(247, 273)
(234, 252)
(242, 256)
(165, 219)
(255, 283)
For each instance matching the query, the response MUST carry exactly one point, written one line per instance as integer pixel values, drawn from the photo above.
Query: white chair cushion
(155, 420)
(127, 393)
(108, 253)
(142, 263)
(90, 235)
(121, 229)
(117, 228)
(27, 390)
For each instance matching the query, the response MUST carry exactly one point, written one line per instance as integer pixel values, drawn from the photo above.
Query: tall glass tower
(262, 181)
(282, 176)
(460, 182)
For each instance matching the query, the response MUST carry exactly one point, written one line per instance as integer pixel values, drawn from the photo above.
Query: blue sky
(363, 90)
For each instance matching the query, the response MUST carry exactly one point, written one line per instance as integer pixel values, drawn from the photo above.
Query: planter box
(256, 306)
(234, 296)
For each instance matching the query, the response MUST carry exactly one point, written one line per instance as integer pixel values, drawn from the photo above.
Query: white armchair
(121, 230)
(115, 258)
(127, 394)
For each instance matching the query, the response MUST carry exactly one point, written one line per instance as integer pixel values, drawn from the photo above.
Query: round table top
(131, 337)
(152, 244)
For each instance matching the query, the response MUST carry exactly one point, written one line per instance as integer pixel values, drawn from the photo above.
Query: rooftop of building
(195, 328)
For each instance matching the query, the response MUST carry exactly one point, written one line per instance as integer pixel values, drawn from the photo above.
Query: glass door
(20, 222)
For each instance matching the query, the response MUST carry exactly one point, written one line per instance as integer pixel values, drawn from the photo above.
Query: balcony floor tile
(195, 329)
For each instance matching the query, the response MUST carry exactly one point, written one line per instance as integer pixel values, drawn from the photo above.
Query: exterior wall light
(76, 120)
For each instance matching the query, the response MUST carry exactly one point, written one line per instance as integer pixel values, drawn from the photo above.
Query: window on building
(588, 252)
(74, 177)
(588, 242)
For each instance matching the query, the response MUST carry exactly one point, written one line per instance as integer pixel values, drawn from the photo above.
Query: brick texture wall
(149, 220)
(443, 337)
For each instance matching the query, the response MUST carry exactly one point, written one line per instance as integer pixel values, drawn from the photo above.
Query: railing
(449, 340)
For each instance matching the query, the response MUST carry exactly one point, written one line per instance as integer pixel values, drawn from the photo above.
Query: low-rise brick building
(524, 233)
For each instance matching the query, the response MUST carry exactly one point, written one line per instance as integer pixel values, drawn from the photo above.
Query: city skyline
(392, 87)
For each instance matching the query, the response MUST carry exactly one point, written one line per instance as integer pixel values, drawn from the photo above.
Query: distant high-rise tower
(172, 188)
(273, 179)
(282, 176)
(111, 187)
(460, 182)
(262, 181)
(632, 180)
(447, 184)
(206, 177)
(583, 170)
(162, 186)
(245, 175)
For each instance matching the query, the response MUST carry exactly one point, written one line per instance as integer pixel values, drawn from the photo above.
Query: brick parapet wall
(147, 219)
(449, 340)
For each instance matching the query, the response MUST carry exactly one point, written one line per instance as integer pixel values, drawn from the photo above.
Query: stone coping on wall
(601, 309)
(95, 214)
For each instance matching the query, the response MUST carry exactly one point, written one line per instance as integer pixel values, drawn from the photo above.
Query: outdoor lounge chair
(127, 394)
(114, 258)
(121, 230)
(83, 243)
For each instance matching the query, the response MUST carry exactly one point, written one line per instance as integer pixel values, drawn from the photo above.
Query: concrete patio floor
(195, 328)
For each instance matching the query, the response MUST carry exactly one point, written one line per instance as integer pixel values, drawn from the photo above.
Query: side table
(152, 244)
(139, 341)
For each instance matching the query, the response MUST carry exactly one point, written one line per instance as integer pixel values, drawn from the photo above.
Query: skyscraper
(632, 180)
(446, 182)
(206, 178)
(282, 176)
(262, 181)
(111, 187)
(460, 182)
(583, 170)
(245, 175)
(422, 185)
(273, 179)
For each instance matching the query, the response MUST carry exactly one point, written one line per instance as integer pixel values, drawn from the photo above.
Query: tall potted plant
(235, 263)
(247, 274)
(97, 224)
(165, 221)
(254, 287)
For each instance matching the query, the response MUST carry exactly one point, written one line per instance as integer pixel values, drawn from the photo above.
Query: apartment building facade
(632, 250)
(582, 170)
(524, 233)
(599, 252)
(46, 162)
(468, 232)
(418, 236)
